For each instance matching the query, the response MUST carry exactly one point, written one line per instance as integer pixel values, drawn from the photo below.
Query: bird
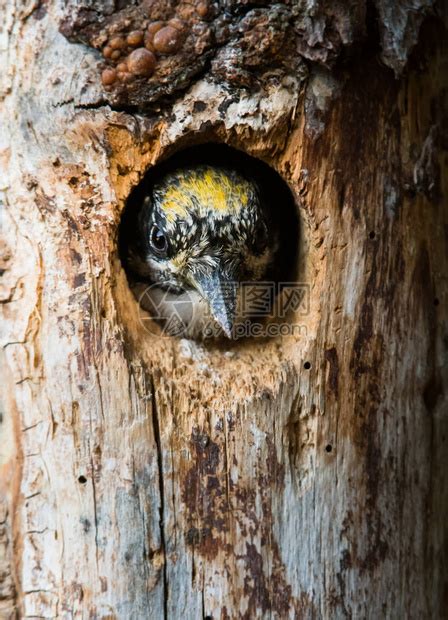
(203, 232)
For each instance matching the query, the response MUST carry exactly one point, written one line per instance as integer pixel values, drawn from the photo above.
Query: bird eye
(158, 241)
(260, 239)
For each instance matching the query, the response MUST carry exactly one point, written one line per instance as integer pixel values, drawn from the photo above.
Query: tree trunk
(302, 476)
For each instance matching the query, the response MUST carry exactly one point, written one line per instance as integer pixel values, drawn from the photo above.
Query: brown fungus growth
(177, 23)
(108, 77)
(135, 38)
(167, 40)
(117, 43)
(125, 76)
(122, 67)
(154, 27)
(148, 43)
(141, 62)
(183, 37)
(149, 34)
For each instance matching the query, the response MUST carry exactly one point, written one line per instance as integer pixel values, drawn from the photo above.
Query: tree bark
(302, 476)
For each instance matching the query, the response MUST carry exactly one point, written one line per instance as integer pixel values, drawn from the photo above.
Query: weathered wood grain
(296, 477)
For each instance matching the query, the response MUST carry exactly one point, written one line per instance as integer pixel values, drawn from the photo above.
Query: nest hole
(272, 188)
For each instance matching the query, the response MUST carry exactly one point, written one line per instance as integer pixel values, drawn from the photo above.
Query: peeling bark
(294, 477)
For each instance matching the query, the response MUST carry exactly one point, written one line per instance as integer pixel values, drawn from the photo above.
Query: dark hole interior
(329, 447)
(82, 479)
(307, 365)
(273, 190)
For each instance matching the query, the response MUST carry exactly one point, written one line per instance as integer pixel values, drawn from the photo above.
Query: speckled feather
(203, 191)
(213, 219)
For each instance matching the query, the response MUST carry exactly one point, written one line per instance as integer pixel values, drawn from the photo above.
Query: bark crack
(95, 511)
(156, 428)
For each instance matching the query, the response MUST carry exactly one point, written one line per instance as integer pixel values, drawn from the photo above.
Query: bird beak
(220, 293)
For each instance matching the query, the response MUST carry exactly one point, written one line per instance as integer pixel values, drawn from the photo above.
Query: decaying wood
(295, 477)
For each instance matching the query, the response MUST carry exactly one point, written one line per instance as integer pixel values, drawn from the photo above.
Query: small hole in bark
(328, 447)
(372, 234)
(82, 480)
(307, 365)
(436, 301)
(205, 198)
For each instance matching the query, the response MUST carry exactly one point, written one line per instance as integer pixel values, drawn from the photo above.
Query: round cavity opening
(209, 241)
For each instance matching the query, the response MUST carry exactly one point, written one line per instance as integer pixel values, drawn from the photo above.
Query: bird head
(205, 229)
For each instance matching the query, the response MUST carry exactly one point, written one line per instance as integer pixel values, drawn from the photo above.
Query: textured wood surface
(296, 477)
